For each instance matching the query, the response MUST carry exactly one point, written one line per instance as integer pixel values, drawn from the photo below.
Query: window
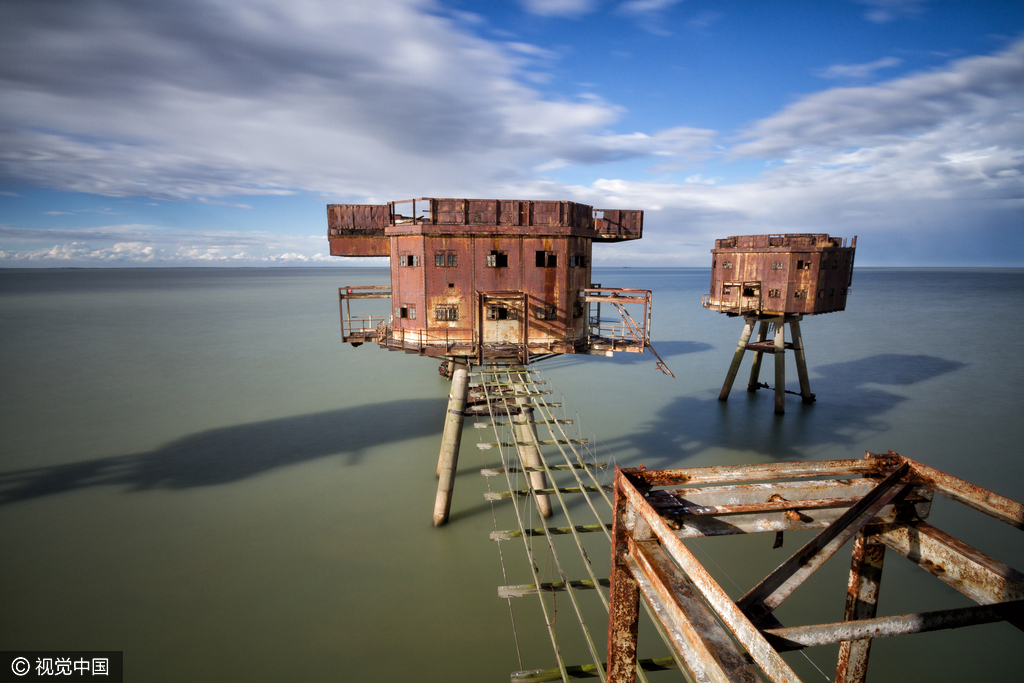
(774, 293)
(446, 313)
(577, 309)
(446, 259)
(501, 313)
(749, 291)
(800, 294)
(577, 261)
(407, 311)
(714, 262)
(803, 265)
(547, 259)
(409, 260)
(843, 290)
(726, 290)
(835, 264)
(832, 291)
(776, 265)
(497, 259)
(545, 312)
(726, 264)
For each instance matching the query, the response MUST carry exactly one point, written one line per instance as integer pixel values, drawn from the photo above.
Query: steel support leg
(780, 366)
(737, 359)
(755, 367)
(450, 440)
(623, 604)
(861, 603)
(801, 361)
(529, 454)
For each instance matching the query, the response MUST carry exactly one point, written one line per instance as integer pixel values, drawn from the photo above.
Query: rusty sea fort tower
(489, 283)
(495, 285)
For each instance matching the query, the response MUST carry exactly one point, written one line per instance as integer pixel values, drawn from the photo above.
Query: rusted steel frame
(774, 506)
(799, 637)
(970, 571)
(1005, 510)
(766, 471)
(792, 492)
(624, 598)
(709, 653)
(862, 590)
(748, 635)
(763, 598)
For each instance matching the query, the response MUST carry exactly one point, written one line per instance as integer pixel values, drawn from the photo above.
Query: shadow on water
(230, 454)
(666, 349)
(855, 406)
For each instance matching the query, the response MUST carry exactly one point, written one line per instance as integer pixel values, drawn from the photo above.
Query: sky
(215, 132)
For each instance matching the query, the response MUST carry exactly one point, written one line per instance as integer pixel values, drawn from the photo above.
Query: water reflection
(230, 454)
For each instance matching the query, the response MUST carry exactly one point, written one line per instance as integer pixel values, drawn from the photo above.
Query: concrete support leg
(861, 603)
(755, 368)
(526, 437)
(737, 359)
(780, 366)
(801, 361)
(450, 440)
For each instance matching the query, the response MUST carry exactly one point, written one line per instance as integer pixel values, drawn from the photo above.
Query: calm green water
(194, 470)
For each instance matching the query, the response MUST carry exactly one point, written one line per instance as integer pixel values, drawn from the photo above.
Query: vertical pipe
(529, 454)
(755, 367)
(450, 440)
(801, 360)
(861, 603)
(737, 359)
(780, 366)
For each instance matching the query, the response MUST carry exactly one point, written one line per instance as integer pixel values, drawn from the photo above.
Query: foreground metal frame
(880, 501)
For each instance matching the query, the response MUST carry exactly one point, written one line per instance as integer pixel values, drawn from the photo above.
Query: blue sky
(207, 132)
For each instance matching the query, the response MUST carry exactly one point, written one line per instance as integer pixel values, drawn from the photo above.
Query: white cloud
(148, 245)
(559, 8)
(884, 11)
(860, 70)
(208, 100)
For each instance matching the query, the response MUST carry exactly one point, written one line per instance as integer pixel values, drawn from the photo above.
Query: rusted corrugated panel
(360, 246)
(615, 225)
(357, 230)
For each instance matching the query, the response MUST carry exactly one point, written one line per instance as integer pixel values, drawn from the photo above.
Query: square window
(453, 260)
(408, 312)
(409, 260)
(446, 313)
(497, 259)
(547, 259)
(545, 312)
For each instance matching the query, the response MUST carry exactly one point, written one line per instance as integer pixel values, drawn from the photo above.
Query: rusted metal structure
(776, 280)
(878, 502)
(481, 280)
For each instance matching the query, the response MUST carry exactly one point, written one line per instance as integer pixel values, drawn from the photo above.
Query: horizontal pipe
(799, 637)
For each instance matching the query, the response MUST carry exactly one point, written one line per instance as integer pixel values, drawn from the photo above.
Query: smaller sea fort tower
(488, 282)
(776, 280)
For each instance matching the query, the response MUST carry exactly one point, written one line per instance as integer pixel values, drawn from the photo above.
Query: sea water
(194, 469)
